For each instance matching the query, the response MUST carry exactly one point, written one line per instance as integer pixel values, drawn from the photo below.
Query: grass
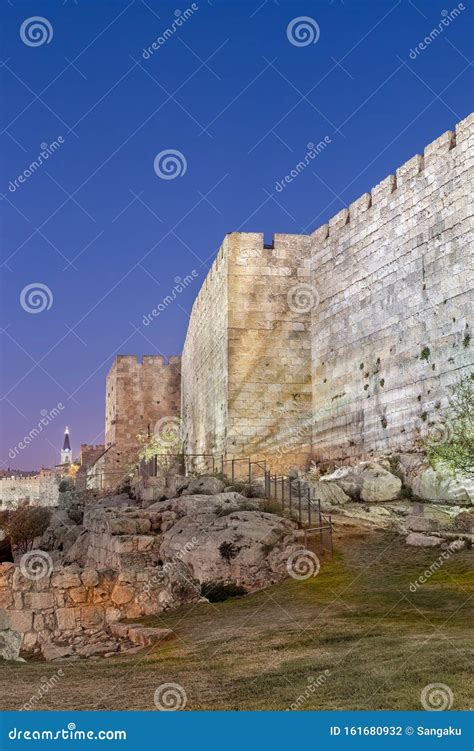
(375, 643)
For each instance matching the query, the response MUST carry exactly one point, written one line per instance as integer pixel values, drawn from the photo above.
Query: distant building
(66, 457)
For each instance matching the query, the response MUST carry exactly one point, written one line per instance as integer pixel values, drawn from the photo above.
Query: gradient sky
(108, 236)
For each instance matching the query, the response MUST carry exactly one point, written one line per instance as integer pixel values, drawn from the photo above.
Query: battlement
(431, 161)
(148, 361)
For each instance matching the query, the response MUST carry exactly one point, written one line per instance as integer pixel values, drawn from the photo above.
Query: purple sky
(233, 93)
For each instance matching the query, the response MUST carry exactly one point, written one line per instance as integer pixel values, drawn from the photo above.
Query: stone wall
(138, 394)
(39, 489)
(246, 361)
(204, 385)
(71, 600)
(394, 276)
(352, 334)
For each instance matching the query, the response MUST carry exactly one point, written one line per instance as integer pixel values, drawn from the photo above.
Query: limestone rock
(10, 643)
(205, 485)
(435, 484)
(330, 494)
(419, 540)
(367, 481)
(231, 547)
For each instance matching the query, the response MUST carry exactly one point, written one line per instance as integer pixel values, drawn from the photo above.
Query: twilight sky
(239, 91)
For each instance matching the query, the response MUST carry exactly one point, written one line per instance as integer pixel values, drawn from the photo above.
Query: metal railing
(299, 499)
(294, 496)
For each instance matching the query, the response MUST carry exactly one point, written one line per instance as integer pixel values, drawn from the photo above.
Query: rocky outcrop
(129, 562)
(419, 540)
(435, 484)
(367, 481)
(10, 640)
(226, 538)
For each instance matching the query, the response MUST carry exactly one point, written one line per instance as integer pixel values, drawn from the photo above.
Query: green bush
(455, 450)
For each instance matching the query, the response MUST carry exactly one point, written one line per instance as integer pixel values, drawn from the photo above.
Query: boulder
(419, 540)
(10, 640)
(245, 547)
(367, 481)
(205, 485)
(330, 494)
(435, 484)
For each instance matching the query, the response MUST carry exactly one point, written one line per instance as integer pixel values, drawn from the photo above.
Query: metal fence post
(282, 493)
(233, 470)
(299, 501)
(309, 506)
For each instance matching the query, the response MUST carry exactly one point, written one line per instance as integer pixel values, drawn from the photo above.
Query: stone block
(67, 618)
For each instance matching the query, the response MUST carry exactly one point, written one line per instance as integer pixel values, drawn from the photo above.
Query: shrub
(25, 523)
(63, 486)
(218, 592)
(456, 451)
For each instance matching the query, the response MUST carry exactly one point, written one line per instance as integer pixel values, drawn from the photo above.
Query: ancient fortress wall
(204, 385)
(138, 394)
(269, 349)
(246, 361)
(352, 334)
(394, 277)
(39, 489)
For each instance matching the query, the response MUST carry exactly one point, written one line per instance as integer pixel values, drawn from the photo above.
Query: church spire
(66, 452)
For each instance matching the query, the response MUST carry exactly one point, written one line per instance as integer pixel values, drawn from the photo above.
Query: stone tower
(66, 450)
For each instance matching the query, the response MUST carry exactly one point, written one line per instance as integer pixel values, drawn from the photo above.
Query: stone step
(140, 636)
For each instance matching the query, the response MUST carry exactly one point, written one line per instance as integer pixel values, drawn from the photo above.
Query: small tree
(24, 524)
(455, 450)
